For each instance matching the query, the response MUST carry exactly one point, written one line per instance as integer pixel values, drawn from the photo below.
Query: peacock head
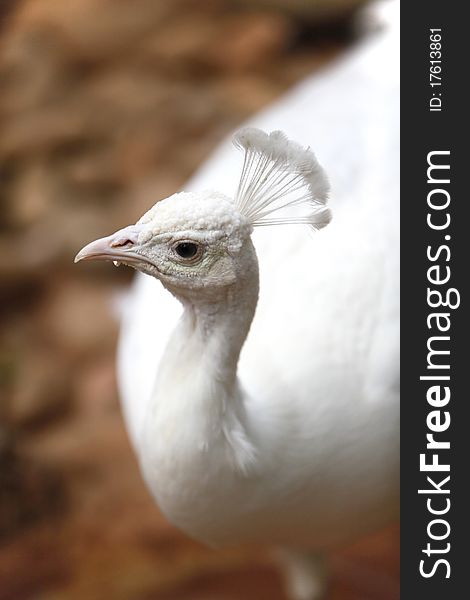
(189, 240)
(202, 240)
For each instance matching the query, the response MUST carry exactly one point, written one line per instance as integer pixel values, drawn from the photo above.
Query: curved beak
(118, 247)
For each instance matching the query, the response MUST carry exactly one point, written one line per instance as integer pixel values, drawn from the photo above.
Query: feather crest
(281, 182)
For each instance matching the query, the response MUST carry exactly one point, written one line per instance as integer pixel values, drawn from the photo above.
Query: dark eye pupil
(186, 249)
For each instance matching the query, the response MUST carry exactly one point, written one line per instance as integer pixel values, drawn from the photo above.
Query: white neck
(197, 391)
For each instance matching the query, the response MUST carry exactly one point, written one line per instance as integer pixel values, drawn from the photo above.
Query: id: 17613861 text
(435, 70)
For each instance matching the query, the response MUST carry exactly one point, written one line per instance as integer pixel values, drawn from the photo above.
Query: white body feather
(305, 448)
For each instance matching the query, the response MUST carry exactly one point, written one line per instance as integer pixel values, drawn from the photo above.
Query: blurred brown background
(105, 106)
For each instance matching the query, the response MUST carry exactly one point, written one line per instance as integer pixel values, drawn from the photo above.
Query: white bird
(274, 419)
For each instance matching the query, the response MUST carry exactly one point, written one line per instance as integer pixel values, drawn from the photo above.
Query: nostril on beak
(125, 238)
(122, 242)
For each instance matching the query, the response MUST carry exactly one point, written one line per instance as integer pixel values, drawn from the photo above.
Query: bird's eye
(186, 249)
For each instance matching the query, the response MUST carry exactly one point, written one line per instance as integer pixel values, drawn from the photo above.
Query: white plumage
(299, 444)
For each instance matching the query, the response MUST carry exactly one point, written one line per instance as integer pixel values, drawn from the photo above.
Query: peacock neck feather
(198, 410)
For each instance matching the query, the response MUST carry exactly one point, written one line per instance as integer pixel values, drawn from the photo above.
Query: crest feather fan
(281, 182)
